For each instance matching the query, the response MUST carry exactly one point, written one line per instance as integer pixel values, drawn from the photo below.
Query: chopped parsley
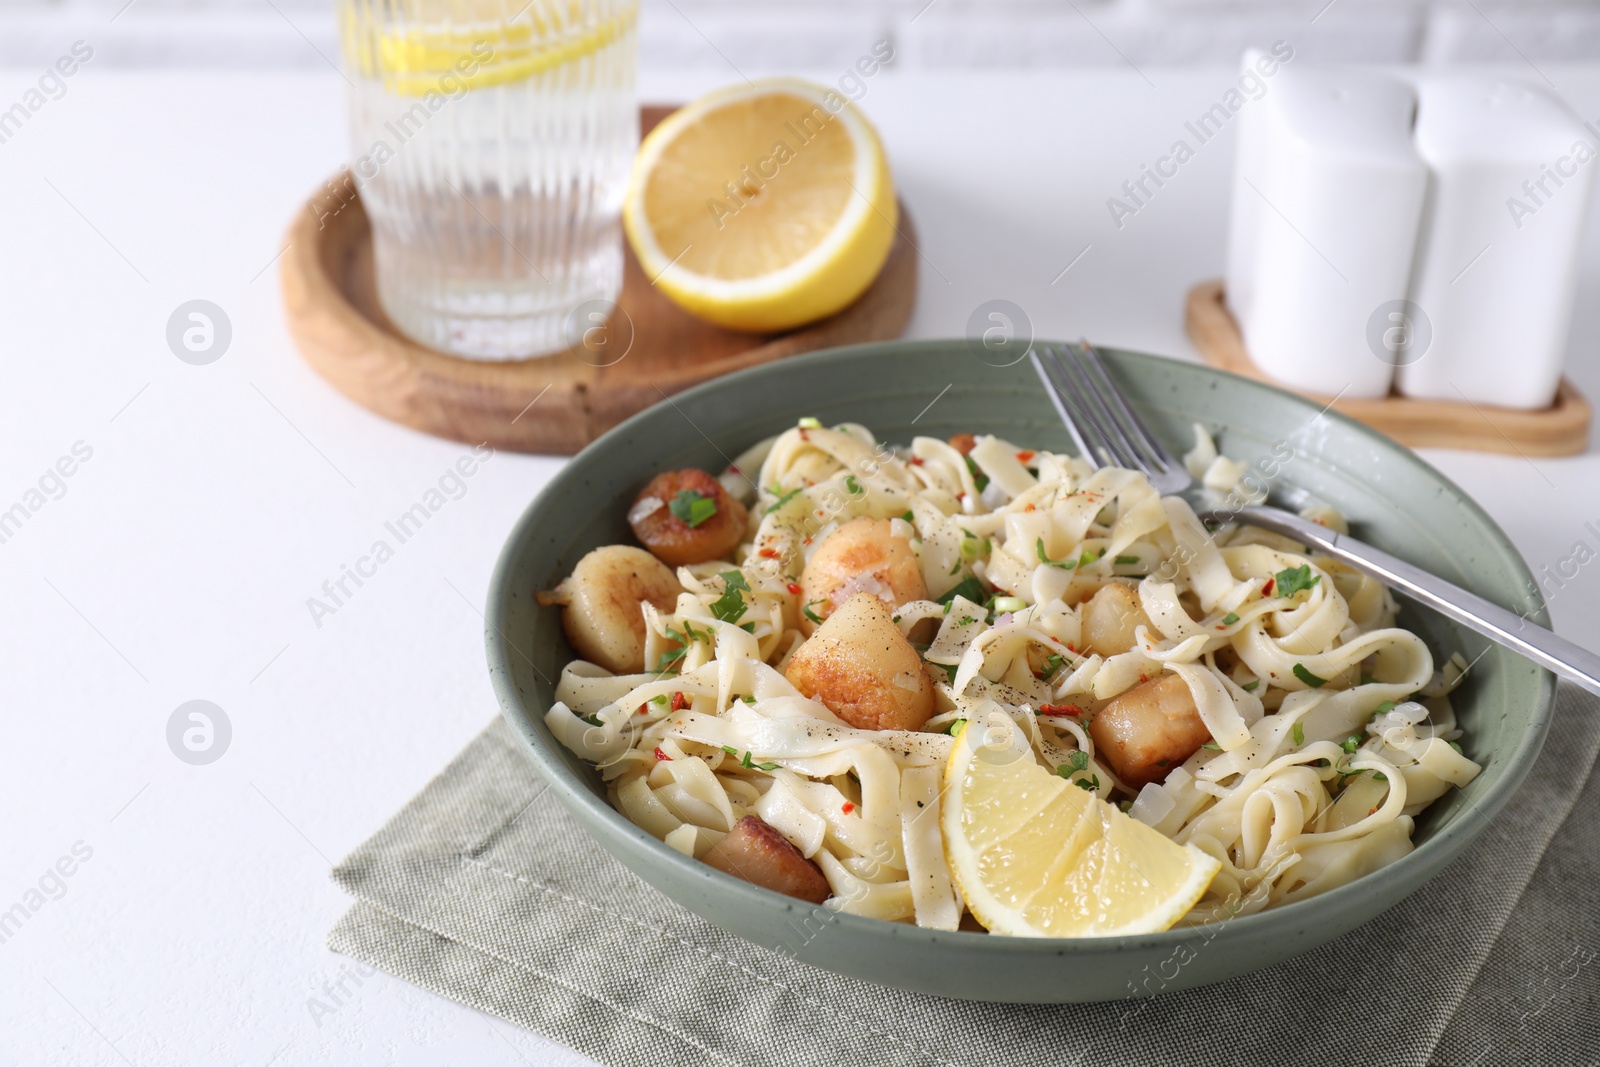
(979, 479)
(730, 607)
(1090, 783)
(1213, 746)
(746, 762)
(955, 727)
(1076, 761)
(783, 498)
(592, 720)
(1250, 686)
(1351, 743)
(1128, 561)
(1295, 580)
(965, 620)
(909, 517)
(1064, 564)
(1382, 709)
(1307, 677)
(852, 486)
(1229, 619)
(970, 587)
(1053, 663)
(813, 616)
(1298, 734)
(1089, 557)
(693, 507)
(669, 658)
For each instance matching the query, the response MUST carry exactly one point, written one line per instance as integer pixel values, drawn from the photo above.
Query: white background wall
(817, 34)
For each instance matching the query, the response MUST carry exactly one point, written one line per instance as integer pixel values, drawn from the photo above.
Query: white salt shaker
(1510, 174)
(1328, 191)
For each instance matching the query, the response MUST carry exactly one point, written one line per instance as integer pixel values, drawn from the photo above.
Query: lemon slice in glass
(762, 206)
(1036, 856)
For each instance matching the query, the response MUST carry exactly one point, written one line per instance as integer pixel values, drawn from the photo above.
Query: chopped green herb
(1089, 556)
(1294, 580)
(730, 607)
(1298, 734)
(730, 750)
(979, 479)
(1124, 805)
(956, 567)
(955, 727)
(669, 658)
(949, 670)
(1455, 745)
(1128, 561)
(1229, 619)
(852, 486)
(813, 616)
(1076, 761)
(970, 588)
(659, 698)
(1066, 565)
(965, 620)
(1250, 686)
(592, 720)
(1213, 746)
(1307, 677)
(1053, 664)
(1090, 783)
(748, 627)
(1382, 709)
(693, 507)
(783, 498)
(810, 423)
(1380, 776)
(1351, 743)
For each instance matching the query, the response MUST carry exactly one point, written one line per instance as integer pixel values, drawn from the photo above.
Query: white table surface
(218, 498)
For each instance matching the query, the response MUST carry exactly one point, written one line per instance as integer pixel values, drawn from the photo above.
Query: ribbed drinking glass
(492, 141)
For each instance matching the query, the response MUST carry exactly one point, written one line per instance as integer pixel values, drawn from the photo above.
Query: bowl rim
(1426, 858)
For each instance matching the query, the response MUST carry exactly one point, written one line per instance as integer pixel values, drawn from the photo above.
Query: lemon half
(1036, 856)
(761, 207)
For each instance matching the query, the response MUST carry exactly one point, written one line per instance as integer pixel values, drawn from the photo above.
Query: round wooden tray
(1559, 430)
(553, 404)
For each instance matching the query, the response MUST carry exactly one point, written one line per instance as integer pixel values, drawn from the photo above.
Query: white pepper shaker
(1510, 175)
(1328, 191)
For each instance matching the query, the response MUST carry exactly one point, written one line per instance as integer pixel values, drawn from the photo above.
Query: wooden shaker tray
(331, 302)
(1559, 430)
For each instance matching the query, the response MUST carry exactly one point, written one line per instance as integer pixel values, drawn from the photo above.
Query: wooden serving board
(331, 302)
(1559, 430)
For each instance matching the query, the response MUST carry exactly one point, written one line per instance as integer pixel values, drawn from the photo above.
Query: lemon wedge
(1036, 856)
(761, 207)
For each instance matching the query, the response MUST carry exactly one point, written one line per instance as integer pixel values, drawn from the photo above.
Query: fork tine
(1164, 460)
(1123, 449)
(1058, 390)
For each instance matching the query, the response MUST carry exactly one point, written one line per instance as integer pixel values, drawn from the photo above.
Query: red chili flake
(807, 541)
(1060, 709)
(1073, 650)
(1024, 456)
(679, 701)
(1266, 590)
(916, 461)
(732, 469)
(770, 553)
(804, 436)
(1222, 627)
(848, 807)
(1030, 507)
(794, 588)
(642, 708)
(1144, 678)
(660, 755)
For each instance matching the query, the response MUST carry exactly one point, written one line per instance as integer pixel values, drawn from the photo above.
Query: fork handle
(1557, 654)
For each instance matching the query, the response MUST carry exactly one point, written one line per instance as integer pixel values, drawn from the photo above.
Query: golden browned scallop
(762, 856)
(600, 604)
(713, 528)
(861, 666)
(1111, 619)
(1148, 730)
(862, 556)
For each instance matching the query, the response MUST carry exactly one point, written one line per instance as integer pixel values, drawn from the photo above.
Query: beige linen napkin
(483, 890)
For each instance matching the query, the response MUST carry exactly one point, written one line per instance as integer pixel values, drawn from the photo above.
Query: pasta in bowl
(1253, 725)
(1501, 706)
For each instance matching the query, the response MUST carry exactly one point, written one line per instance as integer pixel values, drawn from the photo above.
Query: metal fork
(1107, 431)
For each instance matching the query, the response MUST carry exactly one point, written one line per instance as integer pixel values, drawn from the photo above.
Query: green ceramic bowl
(1392, 498)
